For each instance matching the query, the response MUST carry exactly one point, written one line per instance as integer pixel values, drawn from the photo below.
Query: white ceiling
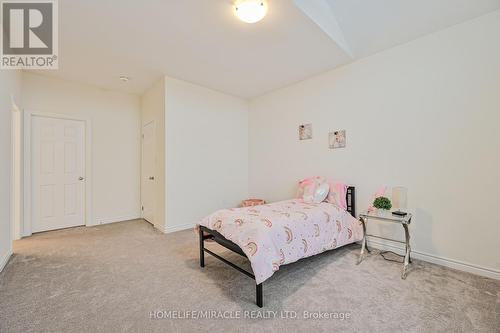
(371, 26)
(202, 42)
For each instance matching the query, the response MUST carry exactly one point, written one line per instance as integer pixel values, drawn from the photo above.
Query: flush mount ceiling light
(124, 78)
(250, 11)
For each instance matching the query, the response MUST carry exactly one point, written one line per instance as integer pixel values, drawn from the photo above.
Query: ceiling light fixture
(124, 78)
(250, 11)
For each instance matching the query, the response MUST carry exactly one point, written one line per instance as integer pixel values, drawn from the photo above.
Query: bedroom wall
(10, 87)
(207, 152)
(116, 123)
(423, 115)
(153, 109)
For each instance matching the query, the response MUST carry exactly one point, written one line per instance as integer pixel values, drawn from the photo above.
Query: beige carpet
(110, 278)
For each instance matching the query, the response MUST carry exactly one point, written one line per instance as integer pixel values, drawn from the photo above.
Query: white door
(148, 172)
(58, 173)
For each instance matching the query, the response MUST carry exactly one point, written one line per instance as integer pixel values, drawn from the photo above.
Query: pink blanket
(283, 232)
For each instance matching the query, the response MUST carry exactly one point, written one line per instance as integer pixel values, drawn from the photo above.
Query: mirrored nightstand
(387, 216)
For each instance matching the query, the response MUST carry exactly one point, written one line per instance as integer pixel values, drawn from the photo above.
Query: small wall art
(305, 132)
(337, 139)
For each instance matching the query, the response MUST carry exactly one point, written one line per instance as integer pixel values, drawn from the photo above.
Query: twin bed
(280, 233)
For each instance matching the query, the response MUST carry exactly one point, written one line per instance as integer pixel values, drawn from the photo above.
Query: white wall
(116, 123)
(10, 87)
(153, 109)
(207, 152)
(424, 115)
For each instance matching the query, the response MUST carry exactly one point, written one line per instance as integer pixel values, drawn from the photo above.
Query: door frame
(26, 226)
(142, 169)
(16, 213)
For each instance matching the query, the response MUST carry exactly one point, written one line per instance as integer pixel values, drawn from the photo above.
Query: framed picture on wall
(305, 132)
(337, 139)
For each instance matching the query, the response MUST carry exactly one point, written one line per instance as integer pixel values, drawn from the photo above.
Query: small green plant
(382, 203)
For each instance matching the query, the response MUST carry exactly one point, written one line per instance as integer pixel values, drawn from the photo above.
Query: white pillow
(321, 193)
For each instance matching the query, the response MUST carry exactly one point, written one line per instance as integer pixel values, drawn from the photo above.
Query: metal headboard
(351, 200)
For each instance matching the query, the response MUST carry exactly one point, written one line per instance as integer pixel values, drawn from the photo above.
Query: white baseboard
(451, 263)
(4, 260)
(122, 218)
(170, 229)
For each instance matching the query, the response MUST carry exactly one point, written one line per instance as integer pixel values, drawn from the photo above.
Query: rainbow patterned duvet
(283, 232)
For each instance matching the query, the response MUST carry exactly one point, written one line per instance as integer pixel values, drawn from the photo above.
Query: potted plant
(383, 204)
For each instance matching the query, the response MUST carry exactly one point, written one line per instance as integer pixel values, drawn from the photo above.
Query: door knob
(81, 178)
(151, 178)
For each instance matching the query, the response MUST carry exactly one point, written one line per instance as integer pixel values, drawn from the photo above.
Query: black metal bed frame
(221, 240)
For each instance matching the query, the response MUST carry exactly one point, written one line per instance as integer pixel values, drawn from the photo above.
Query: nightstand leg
(363, 242)
(408, 250)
